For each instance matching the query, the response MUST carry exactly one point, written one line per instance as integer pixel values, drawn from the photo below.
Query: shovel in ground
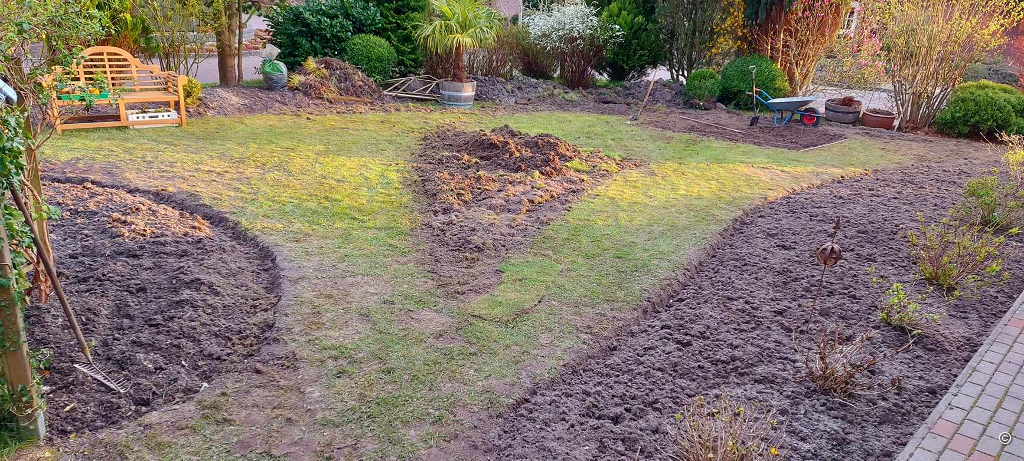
(89, 368)
(753, 94)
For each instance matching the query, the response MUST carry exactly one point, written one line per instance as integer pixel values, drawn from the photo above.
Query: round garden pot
(457, 94)
(878, 118)
(835, 112)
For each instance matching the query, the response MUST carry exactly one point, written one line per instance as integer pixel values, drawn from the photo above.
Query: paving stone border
(981, 418)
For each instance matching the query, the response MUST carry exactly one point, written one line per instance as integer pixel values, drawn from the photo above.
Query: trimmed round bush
(372, 54)
(736, 81)
(703, 85)
(982, 108)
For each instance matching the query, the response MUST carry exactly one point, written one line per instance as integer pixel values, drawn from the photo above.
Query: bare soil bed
(793, 136)
(171, 293)
(489, 194)
(728, 330)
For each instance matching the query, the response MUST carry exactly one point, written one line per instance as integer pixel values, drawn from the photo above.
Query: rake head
(119, 385)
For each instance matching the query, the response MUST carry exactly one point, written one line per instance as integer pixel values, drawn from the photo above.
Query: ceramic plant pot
(878, 118)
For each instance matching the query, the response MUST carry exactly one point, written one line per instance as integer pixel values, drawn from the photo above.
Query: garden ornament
(828, 254)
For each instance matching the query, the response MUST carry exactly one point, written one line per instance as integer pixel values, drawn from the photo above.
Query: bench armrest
(175, 82)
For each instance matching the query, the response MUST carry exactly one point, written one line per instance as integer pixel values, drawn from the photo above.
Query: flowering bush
(928, 45)
(575, 36)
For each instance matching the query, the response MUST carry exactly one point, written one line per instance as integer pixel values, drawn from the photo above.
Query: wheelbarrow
(784, 109)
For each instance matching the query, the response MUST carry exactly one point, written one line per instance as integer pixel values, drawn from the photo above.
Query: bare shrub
(535, 61)
(836, 364)
(497, 60)
(724, 430)
(997, 202)
(951, 253)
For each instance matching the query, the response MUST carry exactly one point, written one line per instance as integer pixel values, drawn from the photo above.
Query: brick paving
(981, 418)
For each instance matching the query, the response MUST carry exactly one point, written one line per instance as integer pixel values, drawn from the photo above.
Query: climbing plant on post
(20, 404)
(36, 38)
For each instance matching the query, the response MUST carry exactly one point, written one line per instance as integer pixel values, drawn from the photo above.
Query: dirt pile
(330, 78)
(490, 193)
(130, 216)
(170, 296)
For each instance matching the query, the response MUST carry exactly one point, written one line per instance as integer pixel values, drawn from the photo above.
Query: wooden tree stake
(17, 371)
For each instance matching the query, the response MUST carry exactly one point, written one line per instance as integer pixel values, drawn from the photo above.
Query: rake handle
(19, 201)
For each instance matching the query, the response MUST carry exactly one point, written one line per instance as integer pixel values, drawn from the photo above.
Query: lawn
(388, 364)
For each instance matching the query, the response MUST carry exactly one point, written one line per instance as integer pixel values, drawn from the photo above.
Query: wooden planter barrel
(841, 114)
(457, 94)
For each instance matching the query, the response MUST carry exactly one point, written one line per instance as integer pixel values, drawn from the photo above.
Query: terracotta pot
(842, 114)
(457, 94)
(878, 118)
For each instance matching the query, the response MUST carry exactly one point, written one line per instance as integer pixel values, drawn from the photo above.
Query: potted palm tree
(457, 26)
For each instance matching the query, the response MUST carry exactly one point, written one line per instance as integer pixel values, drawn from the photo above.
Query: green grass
(332, 195)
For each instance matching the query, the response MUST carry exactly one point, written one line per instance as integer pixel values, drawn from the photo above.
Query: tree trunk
(459, 70)
(240, 49)
(227, 46)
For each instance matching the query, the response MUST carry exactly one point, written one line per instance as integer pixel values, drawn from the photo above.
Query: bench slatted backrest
(121, 69)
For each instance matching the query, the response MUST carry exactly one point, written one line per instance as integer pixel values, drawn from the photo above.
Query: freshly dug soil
(170, 293)
(728, 330)
(490, 193)
(793, 136)
(547, 94)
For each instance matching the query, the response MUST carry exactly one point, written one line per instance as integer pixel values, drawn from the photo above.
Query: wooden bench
(130, 82)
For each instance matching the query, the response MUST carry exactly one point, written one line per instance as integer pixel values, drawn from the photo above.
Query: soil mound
(490, 193)
(170, 298)
(329, 78)
(130, 216)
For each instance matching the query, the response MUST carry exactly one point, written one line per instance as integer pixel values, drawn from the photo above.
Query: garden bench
(130, 82)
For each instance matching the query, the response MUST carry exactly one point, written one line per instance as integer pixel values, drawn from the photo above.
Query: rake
(90, 368)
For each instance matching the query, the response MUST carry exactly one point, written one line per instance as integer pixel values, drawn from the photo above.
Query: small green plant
(578, 165)
(724, 430)
(951, 253)
(375, 56)
(193, 92)
(899, 311)
(703, 86)
(737, 81)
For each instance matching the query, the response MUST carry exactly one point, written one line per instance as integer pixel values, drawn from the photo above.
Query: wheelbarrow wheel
(811, 117)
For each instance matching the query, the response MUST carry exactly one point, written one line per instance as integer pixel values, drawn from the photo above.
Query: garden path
(981, 417)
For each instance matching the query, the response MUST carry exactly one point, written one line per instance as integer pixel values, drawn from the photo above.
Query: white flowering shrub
(576, 36)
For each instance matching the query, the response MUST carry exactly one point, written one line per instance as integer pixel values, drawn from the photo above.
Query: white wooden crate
(138, 115)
